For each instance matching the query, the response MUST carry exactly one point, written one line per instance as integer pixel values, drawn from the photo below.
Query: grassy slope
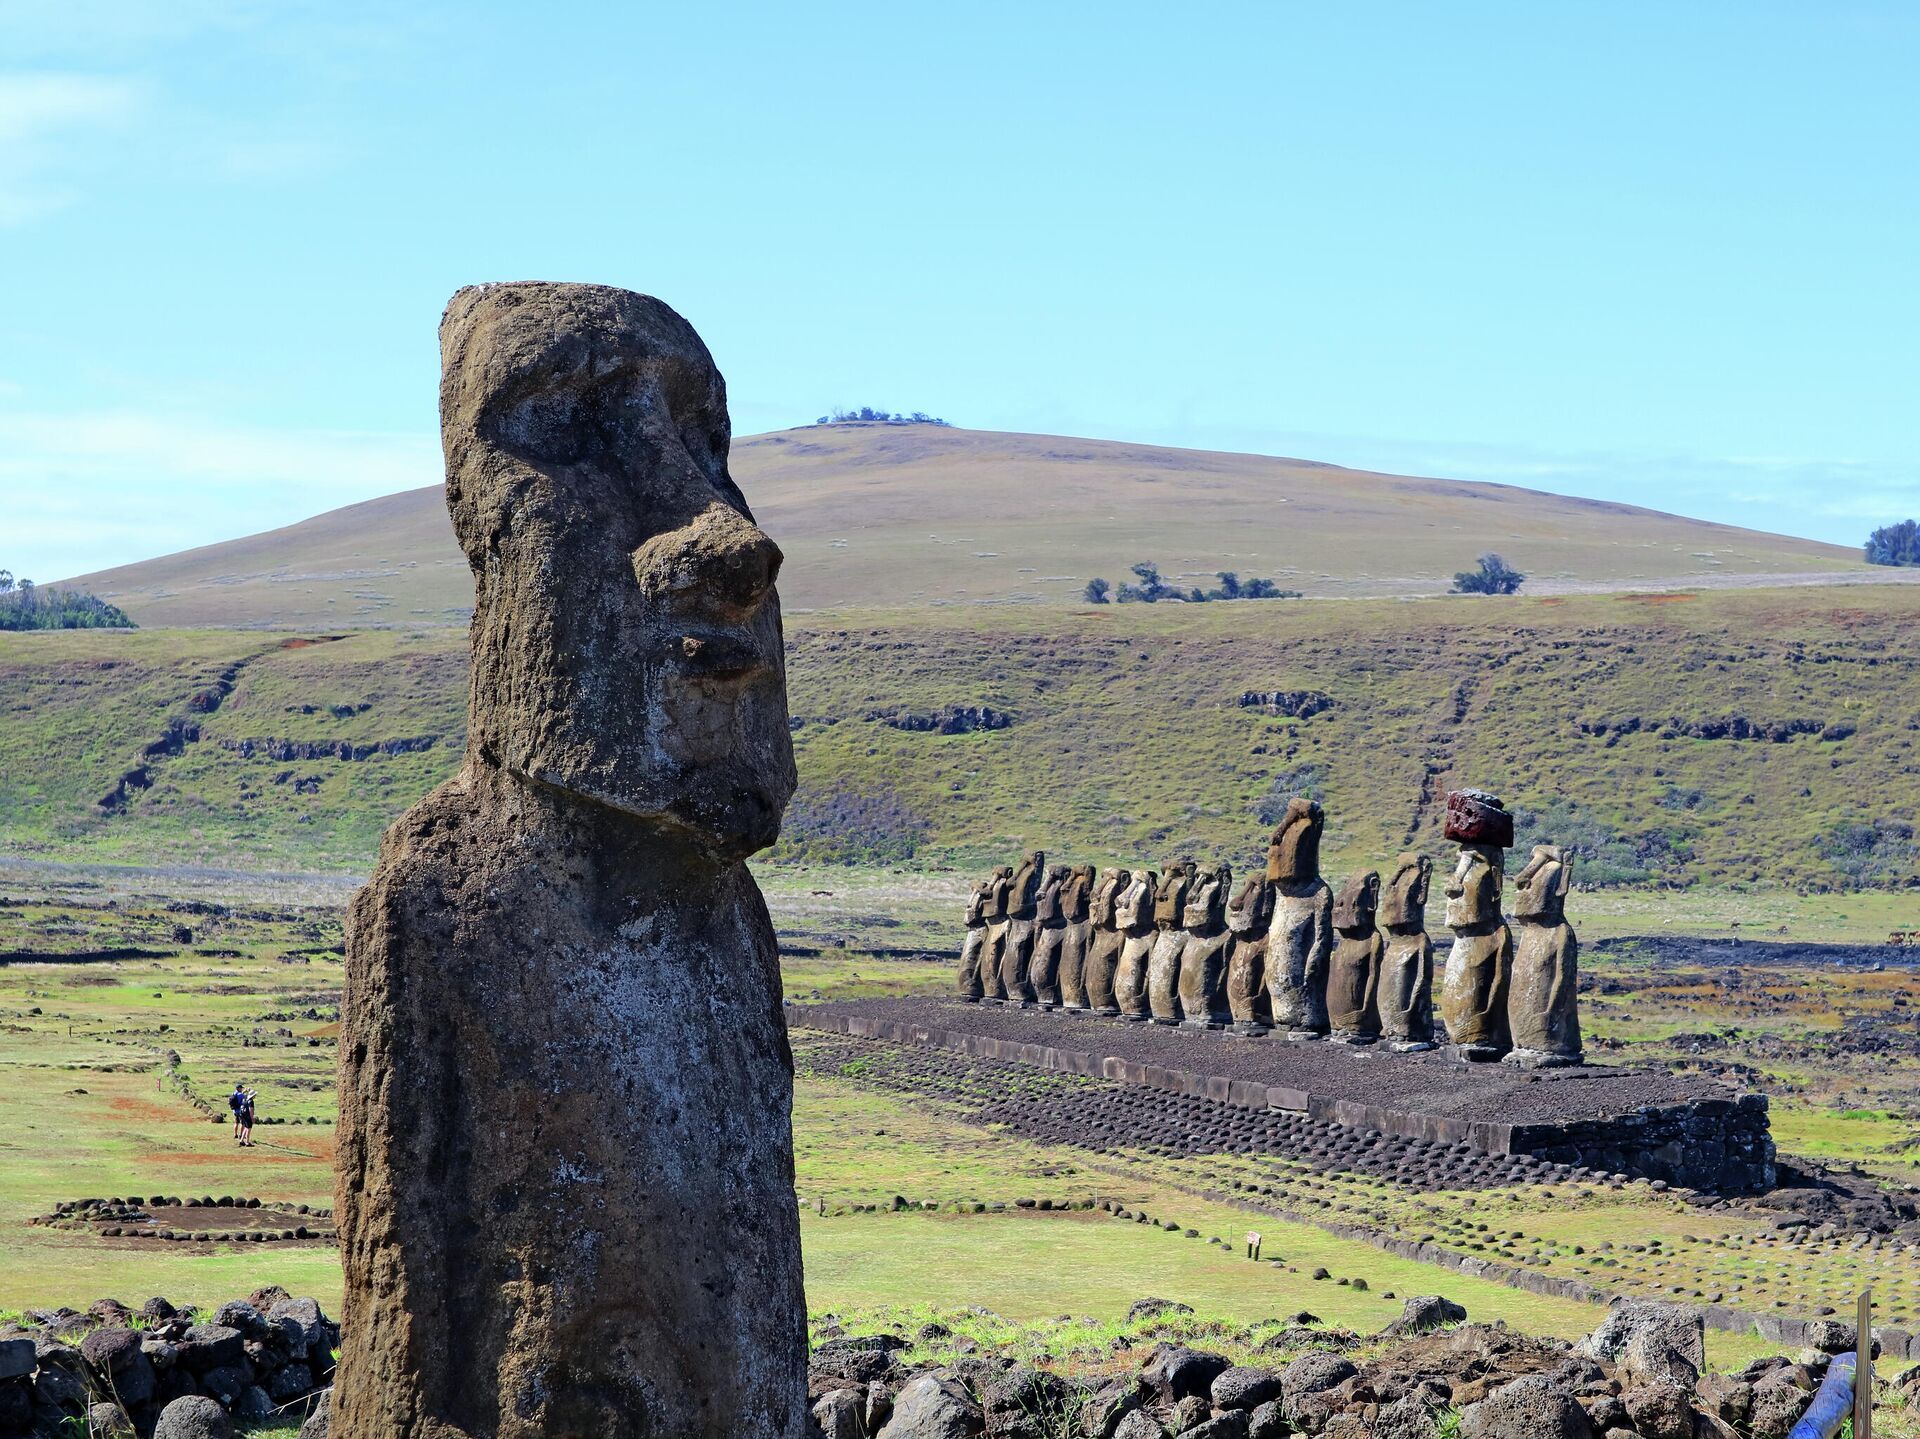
(880, 516)
(1129, 744)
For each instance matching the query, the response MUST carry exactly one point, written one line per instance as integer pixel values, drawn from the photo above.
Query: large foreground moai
(565, 1164)
(1301, 934)
(1473, 994)
(1134, 913)
(1023, 903)
(993, 953)
(1353, 973)
(1076, 903)
(967, 982)
(1406, 968)
(1248, 917)
(1543, 1000)
(1203, 958)
(1163, 961)
(1104, 941)
(1050, 921)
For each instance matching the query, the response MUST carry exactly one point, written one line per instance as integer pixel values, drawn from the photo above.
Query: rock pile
(115, 1370)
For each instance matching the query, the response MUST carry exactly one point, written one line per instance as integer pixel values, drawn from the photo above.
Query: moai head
(1134, 910)
(1027, 880)
(978, 900)
(1403, 904)
(1170, 896)
(1355, 905)
(1473, 894)
(1251, 911)
(1000, 892)
(1294, 852)
(1106, 897)
(1078, 897)
(626, 639)
(1052, 890)
(1540, 890)
(1207, 899)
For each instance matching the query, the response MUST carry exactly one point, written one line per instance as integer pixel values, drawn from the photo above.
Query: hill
(878, 516)
(1760, 738)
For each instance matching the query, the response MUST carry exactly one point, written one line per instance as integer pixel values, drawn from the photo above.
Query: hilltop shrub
(25, 606)
(1152, 589)
(1894, 544)
(1867, 855)
(844, 825)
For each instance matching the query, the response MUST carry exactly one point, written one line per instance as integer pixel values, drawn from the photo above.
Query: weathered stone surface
(1076, 903)
(210, 1346)
(1051, 921)
(1138, 1424)
(1651, 1342)
(1476, 817)
(565, 1191)
(1134, 915)
(1203, 958)
(1248, 918)
(993, 951)
(967, 981)
(319, 1424)
(1406, 963)
(841, 1414)
(115, 1357)
(1532, 1407)
(16, 1358)
(1425, 1312)
(1175, 1372)
(1170, 919)
(1023, 932)
(1473, 992)
(108, 1421)
(1353, 971)
(1105, 941)
(1543, 995)
(1243, 1387)
(933, 1406)
(194, 1417)
(1300, 937)
(1660, 1411)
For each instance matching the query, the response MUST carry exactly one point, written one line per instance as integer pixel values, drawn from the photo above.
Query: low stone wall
(1716, 1143)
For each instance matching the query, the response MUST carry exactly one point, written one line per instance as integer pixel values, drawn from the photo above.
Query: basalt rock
(1353, 973)
(1203, 958)
(1406, 965)
(1104, 941)
(1076, 906)
(1248, 918)
(1163, 961)
(1023, 908)
(1543, 999)
(1301, 935)
(1050, 921)
(565, 1166)
(967, 983)
(1134, 915)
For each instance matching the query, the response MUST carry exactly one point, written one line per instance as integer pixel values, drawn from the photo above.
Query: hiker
(246, 1118)
(237, 1101)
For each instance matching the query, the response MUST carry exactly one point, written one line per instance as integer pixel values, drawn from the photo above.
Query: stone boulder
(1424, 1313)
(1173, 1371)
(193, 1417)
(1533, 1407)
(1651, 1343)
(118, 1362)
(1245, 1388)
(934, 1406)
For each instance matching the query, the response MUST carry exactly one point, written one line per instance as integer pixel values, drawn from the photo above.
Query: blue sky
(1658, 252)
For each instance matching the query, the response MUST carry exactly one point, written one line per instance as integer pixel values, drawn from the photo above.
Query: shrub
(1871, 854)
(1604, 857)
(1097, 591)
(1494, 577)
(24, 606)
(850, 826)
(1307, 779)
(1894, 544)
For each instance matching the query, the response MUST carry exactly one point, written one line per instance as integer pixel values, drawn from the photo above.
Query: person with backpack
(246, 1117)
(237, 1101)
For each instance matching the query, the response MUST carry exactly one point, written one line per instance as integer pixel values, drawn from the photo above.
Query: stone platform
(1693, 1133)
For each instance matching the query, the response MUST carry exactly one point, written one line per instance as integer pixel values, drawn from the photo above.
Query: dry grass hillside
(878, 516)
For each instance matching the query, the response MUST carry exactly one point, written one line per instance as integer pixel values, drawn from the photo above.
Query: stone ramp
(1691, 1133)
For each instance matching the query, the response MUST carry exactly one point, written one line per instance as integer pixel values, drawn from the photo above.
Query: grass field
(1128, 741)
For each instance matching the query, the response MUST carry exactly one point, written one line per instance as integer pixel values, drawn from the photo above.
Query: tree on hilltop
(1894, 544)
(1494, 577)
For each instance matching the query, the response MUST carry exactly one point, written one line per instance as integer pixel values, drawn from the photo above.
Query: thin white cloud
(43, 116)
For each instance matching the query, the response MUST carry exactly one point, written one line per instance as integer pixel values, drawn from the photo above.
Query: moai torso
(967, 985)
(1077, 907)
(1353, 974)
(1543, 1004)
(1050, 920)
(1301, 935)
(1406, 968)
(1104, 941)
(564, 1181)
(1203, 959)
(1134, 915)
(1248, 918)
(1473, 993)
(1163, 960)
(1023, 904)
(993, 952)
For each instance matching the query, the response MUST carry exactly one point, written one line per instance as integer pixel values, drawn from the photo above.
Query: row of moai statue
(1286, 953)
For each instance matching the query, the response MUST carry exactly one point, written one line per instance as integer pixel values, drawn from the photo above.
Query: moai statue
(1353, 974)
(1133, 913)
(1203, 960)
(968, 986)
(1050, 921)
(1301, 935)
(993, 953)
(1163, 960)
(1248, 918)
(1543, 1002)
(1473, 992)
(1076, 903)
(1023, 904)
(564, 1180)
(1406, 969)
(1104, 941)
